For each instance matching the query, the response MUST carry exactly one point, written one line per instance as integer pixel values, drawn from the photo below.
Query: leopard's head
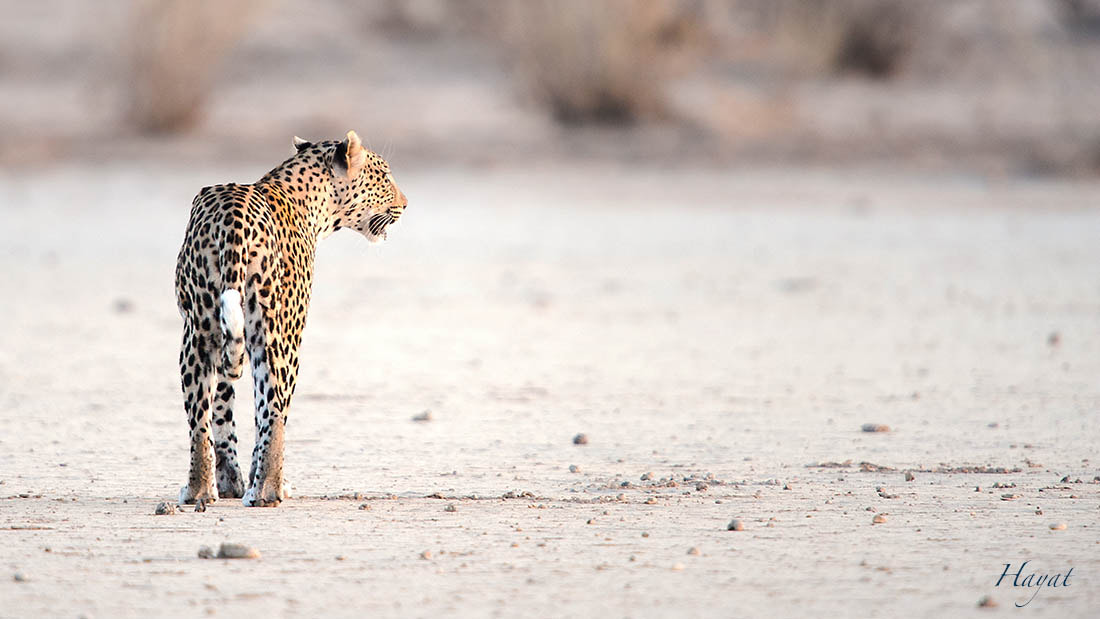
(366, 198)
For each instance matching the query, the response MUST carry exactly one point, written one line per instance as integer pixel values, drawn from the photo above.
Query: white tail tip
(232, 313)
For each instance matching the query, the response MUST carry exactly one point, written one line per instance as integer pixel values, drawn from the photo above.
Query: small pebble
(164, 508)
(573, 468)
(206, 552)
(909, 476)
(735, 525)
(19, 577)
(646, 476)
(651, 501)
(1058, 526)
(645, 534)
(1054, 339)
(423, 417)
(1009, 497)
(365, 506)
(426, 555)
(580, 439)
(450, 508)
(699, 487)
(987, 602)
(874, 427)
(879, 519)
(694, 551)
(237, 551)
(676, 567)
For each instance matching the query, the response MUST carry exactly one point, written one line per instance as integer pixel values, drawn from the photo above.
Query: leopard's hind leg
(197, 379)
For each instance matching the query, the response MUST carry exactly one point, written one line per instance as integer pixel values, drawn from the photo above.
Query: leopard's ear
(300, 144)
(350, 156)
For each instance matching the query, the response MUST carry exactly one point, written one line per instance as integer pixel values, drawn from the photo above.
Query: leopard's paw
(267, 496)
(230, 484)
(189, 495)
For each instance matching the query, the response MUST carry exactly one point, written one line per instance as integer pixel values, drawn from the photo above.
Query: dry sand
(723, 332)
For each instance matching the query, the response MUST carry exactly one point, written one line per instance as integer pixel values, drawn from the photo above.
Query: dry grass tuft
(599, 61)
(866, 37)
(175, 48)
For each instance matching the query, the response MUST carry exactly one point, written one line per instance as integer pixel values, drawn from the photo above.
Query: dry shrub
(175, 48)
(602, 61)
(868, 37)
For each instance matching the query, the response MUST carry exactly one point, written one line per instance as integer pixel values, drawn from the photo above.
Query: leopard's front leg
(228, 473)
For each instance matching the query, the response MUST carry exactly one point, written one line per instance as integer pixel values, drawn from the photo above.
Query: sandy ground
(724, 333)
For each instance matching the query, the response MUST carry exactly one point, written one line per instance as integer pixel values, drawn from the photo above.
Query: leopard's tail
(232, 325)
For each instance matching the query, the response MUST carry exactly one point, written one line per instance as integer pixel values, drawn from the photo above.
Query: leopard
(244, 276)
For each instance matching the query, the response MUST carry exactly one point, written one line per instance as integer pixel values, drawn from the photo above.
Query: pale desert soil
(740, 326)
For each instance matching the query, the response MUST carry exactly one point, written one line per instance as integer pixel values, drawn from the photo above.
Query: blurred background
(715, 237)
(986, 86)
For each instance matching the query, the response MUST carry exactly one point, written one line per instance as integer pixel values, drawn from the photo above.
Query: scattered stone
(909, 476)
(987, 602)
(19, 577)
(1054, 338)
(693, 551)
(123, 306)
(364, 506)
(164, 508)
(1009, 497)
(426, 555)
(645, 534)
(206, 552)
(450, 508)
(1002, 485)
(651, 501)
(237, 551)
(879, 519)
(676, 567)
(1058, 526)
(580, 439)
(992, 424)
(573, 468)
(424, 417)
(646, 476)
(874, 427)
(200, 506)
(591, 521)
(735, 525)
(1038, 511)
(871, 467)
(701, 486)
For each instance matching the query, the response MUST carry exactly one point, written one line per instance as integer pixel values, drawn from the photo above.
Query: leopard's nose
(399, 198)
